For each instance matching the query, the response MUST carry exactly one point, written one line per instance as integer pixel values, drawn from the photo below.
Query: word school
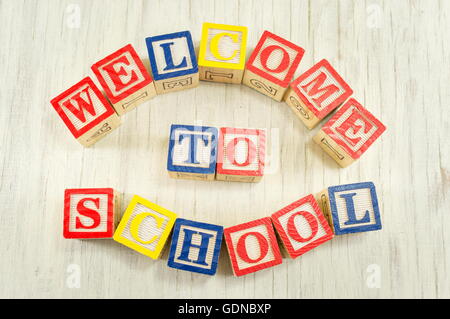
(90, 116)
(195, 246)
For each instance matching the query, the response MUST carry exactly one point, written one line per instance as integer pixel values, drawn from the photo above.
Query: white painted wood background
(395, 55)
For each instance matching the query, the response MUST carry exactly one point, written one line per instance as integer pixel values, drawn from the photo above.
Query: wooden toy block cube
(125, 79)
(252, 246)
(145, 227)
(86, 112)
(241, 155)
(317, 92)
(222, 53)
(192, 152)
(173, 62)
(349, 133)
(272, 65)
(301, 226)
(351, 208)
(195, 246)
(90, 213)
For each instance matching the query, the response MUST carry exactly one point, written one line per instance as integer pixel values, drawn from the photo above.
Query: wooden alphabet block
(317, 92)
(241, 155)
(125, 79)
(351, 208)
(301, 226)
(252, 246)
(90, 213)
(192, 152)
(195, 246)
(349, 133)
(145, 227)
(222, 53)
(272, 65)
(86, 112)
(173, 62)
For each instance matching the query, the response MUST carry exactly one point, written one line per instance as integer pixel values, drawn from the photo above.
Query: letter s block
(272, 65)
(125, 79)
(90, 213)
(86, 112)
(195, 246)
(241, 155)
(252, 246)
(317, 92)
(145, 227)
(222, 53)
(351, 208)
(302, 226)
(349, 133)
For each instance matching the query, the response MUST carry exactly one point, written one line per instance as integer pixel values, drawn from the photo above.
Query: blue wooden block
(354, 208)
(192, 152)
(195, 246)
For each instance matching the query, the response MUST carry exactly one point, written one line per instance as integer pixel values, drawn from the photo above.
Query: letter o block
(349, 133)
(145, 227)
(252, 246)
(272, 65)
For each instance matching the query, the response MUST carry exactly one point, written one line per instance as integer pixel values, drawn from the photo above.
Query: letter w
(317, 89)
(82, 105)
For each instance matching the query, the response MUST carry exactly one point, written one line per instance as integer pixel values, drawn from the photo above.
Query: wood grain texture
(394, 54)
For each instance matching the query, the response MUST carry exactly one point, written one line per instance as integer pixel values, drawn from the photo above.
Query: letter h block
(145, 227)
(192, 152)
(222, 53)
(317, 92)
(252, 246)
(173, 62)
(90, 213)
(125, 79)
(351, 208)
(301, 226)
(86, 112)
(241, 155)
(195, 246)
(349, 133)
(272, 65)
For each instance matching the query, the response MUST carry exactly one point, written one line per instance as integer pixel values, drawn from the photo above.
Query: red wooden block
(90, 213)
(317, 92)
(272, 65)
(125, 79)
(86, 112)
(241, 155)
(252, 246)
(302, 226)
(349, 133)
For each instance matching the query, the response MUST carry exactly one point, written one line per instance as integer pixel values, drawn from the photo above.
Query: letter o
(265, 54)
(242, 250)
(292, 230)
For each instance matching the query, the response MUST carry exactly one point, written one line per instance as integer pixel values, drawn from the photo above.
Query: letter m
(316, 90)
(80, 105)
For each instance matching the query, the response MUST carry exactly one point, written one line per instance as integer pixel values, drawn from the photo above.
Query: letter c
(214, 46)
(136, 223)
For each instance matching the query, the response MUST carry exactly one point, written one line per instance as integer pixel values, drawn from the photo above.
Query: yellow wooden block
(145, 227)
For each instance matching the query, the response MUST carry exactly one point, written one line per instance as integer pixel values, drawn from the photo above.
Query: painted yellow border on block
(154, 254)
(204, 42)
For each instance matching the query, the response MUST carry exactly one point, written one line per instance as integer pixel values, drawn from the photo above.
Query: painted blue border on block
(173, 246)
(356, 229)
(151, 55)
(196, 170)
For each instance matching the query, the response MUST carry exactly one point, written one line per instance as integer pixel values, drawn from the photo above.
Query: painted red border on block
(262, 151)
(272, 242)
(300, 51)
(147, 78)
(110, 217)
(321, 114)
(77, 133)
(337, 138)
(284, 235)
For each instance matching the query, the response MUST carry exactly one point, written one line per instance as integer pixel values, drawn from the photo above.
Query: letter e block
(145, 227)
(195, 246)
(252, 246)
(272, 65)
(125, 79)
(317, 92)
